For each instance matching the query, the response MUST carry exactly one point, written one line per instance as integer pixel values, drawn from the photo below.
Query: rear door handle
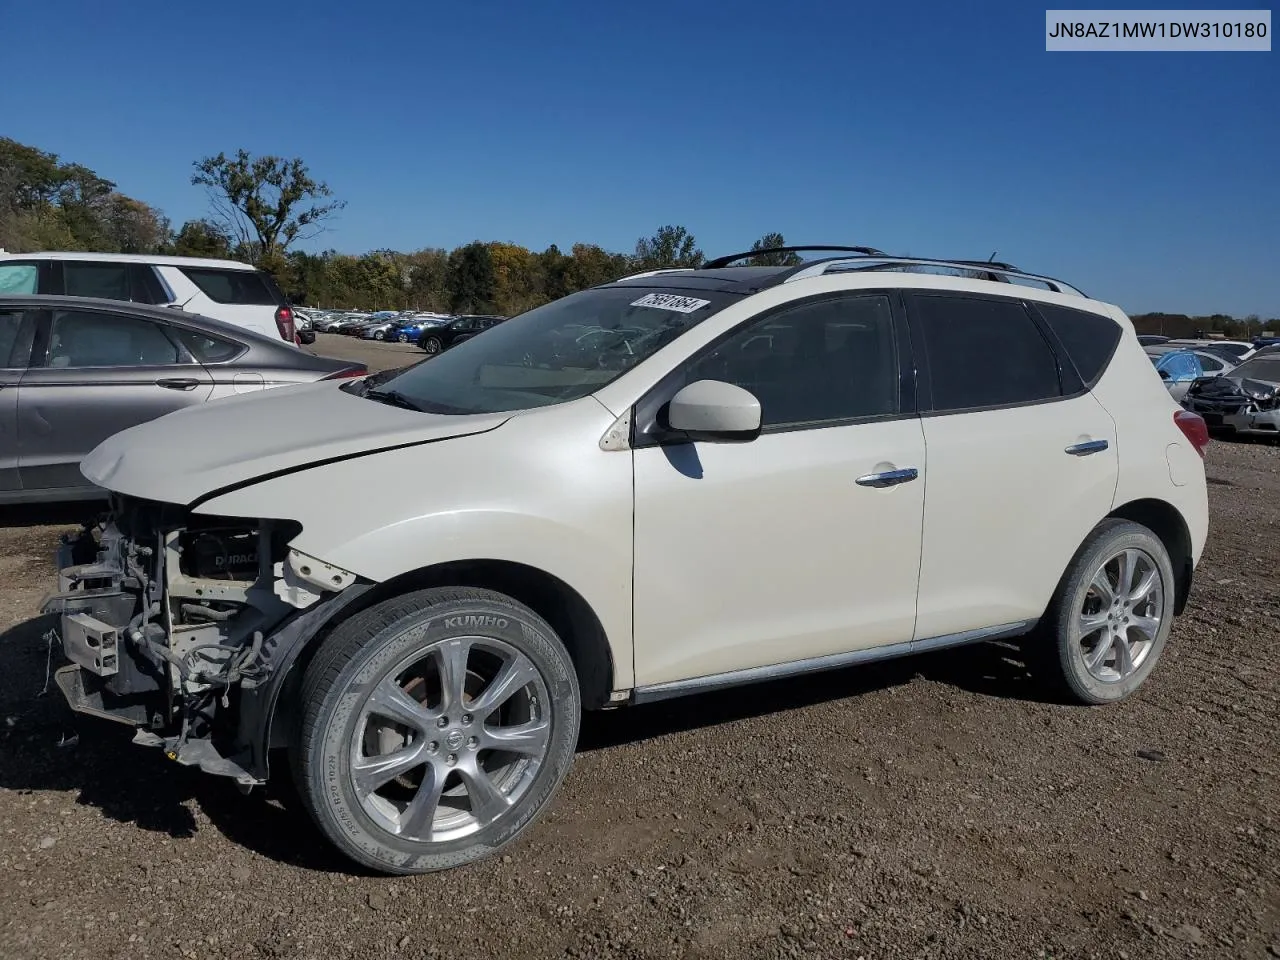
(889, 478)
(178, 383)
(1087, 447)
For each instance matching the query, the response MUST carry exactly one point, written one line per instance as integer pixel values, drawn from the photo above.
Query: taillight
(1193, 428)
(284, 323)
(348, 372)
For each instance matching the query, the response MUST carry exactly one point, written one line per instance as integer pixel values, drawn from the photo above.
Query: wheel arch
(1166, 522)
(555, 601)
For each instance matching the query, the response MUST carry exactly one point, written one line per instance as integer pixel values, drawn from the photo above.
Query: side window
(1089, 338)
(1211, 364)
(18, 277)
(208, 349)
(829, 360)
(985, 353)
(10, 324)
(243, 287)
(146, 286)
(87, 278)
(90, 339)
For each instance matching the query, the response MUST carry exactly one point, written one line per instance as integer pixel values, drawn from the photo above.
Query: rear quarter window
(1089, 338)
(207, 348)
(241, 287)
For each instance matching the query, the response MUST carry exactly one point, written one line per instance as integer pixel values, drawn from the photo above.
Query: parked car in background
(734, 493)
(1244, 400)
(77, 370)
(1236, 351)
(305, 327)
(1178, 367)
(438, 339)
(410, 329)
(236, 293)
(1148, 339)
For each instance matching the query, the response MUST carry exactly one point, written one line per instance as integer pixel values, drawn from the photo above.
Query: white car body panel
(760, 553)
(538, 491)
(293, 426)
(1006, 507)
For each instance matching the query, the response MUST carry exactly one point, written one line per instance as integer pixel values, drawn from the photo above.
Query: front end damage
(1243, 405)
(184, 627)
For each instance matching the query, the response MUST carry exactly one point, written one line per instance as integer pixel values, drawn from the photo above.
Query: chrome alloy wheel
(1120, 618)
(450, 739)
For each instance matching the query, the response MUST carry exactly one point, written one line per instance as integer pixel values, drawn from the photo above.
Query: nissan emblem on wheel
(681, 481)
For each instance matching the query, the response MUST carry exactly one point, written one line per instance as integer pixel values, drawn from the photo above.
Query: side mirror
(715, 411)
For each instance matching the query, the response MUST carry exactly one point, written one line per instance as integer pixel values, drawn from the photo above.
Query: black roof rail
(726, 261)
(998, 265)
(877, 262)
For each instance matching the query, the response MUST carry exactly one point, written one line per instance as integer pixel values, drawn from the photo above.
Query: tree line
(260, 207)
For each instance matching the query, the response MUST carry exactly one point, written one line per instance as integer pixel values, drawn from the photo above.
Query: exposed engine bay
(177, 624)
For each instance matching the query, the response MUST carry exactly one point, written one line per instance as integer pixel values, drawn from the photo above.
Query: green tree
(471, 279)
(200, 238)
(767, 242)
(265, 203)
(671, 246)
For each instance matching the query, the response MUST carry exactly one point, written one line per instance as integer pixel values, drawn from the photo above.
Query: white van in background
(226, 290)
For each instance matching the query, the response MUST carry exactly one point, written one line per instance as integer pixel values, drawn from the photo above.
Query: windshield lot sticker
(669, 301)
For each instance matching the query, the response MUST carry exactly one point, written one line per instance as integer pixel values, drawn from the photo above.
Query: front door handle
(888, 478)
(1087, 447)
(178, 383)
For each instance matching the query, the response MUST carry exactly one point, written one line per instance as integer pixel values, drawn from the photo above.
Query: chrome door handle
(889, 478)
(1087, 447)
(178, 383)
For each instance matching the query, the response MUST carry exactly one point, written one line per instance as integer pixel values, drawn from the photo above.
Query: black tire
(1054, 652)
(403, 338)
(379, 335)
(431, 345)
(367, 649)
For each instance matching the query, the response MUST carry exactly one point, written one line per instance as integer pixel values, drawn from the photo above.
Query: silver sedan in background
(74, 371)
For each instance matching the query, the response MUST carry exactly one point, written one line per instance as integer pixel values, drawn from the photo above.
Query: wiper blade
(393, 398)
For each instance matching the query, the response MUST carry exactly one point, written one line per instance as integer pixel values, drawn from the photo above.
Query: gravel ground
(933, 807)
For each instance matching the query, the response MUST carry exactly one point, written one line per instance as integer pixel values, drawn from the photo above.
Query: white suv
(227, 290)
(679, 481)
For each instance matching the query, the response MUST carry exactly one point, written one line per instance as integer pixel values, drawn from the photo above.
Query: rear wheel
(430, 344)
(379, 335)
(435, 727)
(403, 338)
(1110, 618)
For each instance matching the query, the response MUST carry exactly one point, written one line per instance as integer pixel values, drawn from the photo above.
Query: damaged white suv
(679, 481)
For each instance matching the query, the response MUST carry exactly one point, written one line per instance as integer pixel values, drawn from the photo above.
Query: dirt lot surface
(933, 807)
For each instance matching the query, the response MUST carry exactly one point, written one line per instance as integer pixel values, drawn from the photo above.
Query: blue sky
(1148, 179)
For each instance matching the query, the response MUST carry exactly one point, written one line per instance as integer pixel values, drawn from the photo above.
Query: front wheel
(1110, 618)
(435, 727)
(379, 335)
(403, 338)
(431, 345)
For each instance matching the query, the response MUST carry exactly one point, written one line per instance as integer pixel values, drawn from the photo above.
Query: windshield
(562, 351)
(1260, 368)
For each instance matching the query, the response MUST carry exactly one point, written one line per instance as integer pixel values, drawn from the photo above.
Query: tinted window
(985, 353)
(209, 349)
(1262, 368)
(232, 286)
(146, 285)
(107, 340)
(108, 281)
(10, 322)
(1089, 338)
(1210, 364)
(18, 277)
(830, 360)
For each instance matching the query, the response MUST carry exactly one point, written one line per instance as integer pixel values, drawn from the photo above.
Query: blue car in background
(411, 329)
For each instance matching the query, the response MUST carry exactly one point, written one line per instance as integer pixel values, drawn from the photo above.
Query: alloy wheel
(1119, 620)
(450, 739)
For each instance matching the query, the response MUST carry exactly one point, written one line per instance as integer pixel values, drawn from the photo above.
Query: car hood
(185, 456)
